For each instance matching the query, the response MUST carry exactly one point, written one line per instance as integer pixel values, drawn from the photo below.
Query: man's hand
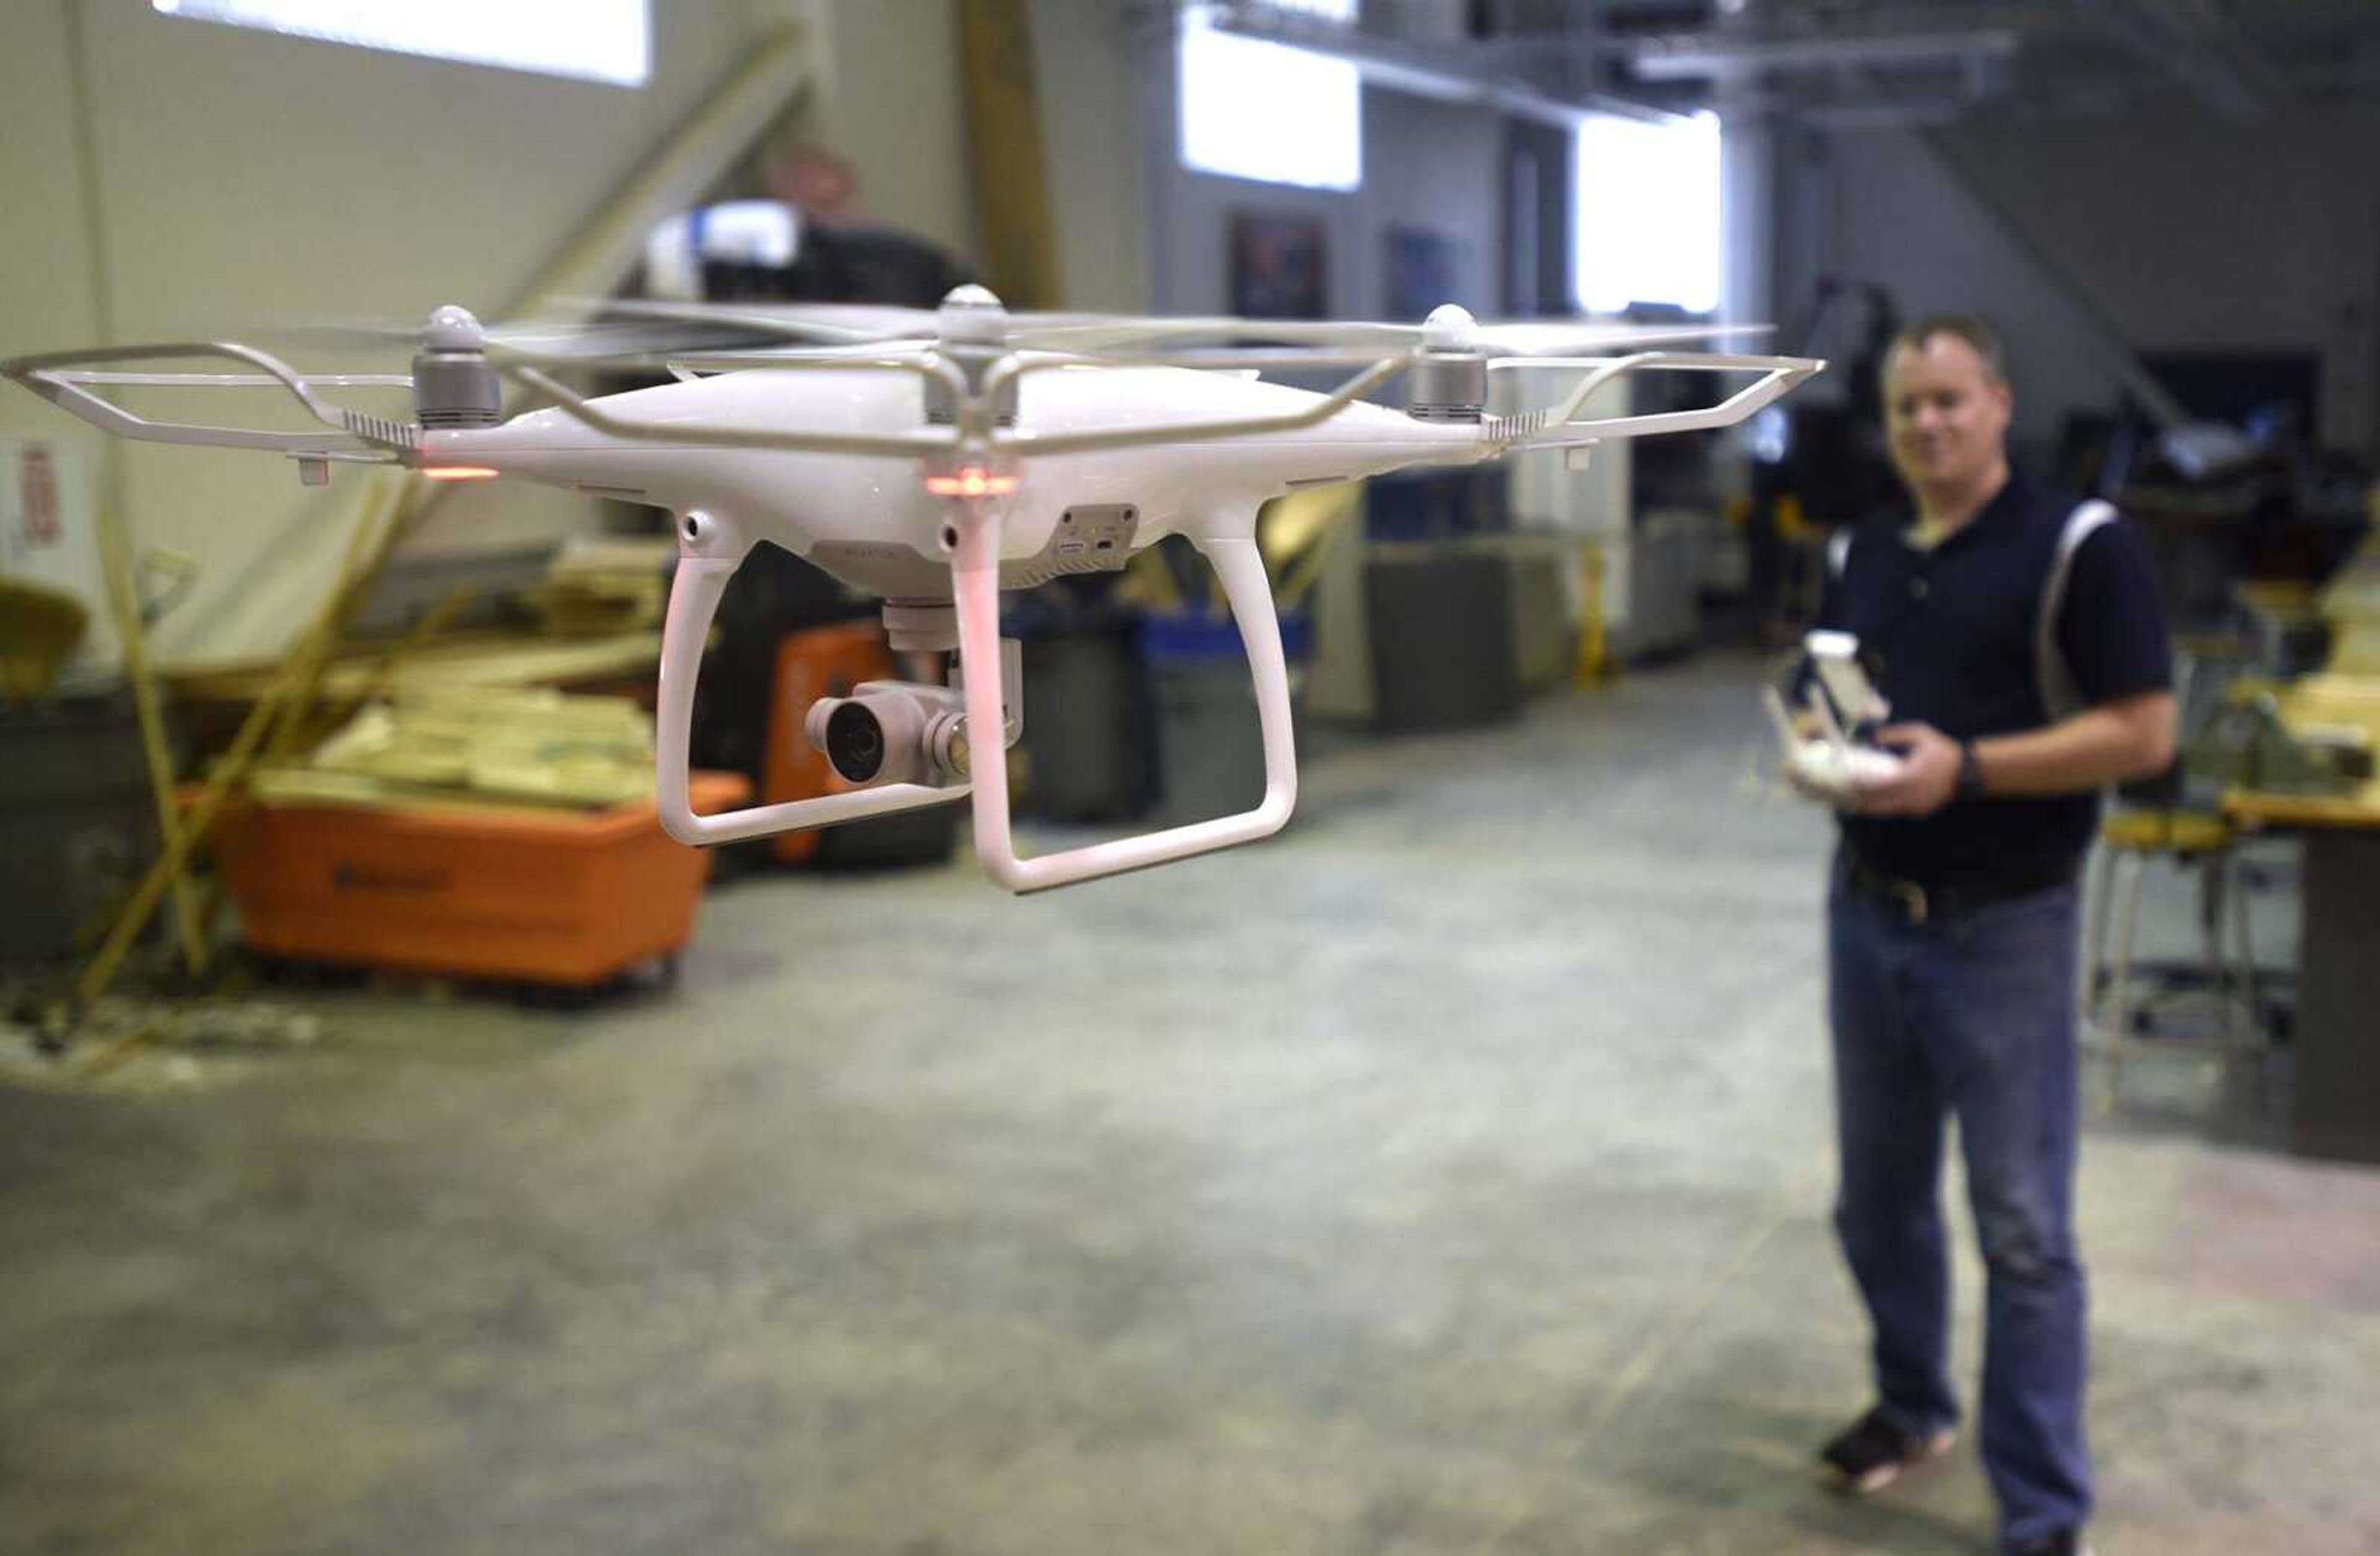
(1928, 776)
(1798, 778)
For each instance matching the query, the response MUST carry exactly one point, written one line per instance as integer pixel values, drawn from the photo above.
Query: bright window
(593, 40)
(1649, 212)
(1255, 109)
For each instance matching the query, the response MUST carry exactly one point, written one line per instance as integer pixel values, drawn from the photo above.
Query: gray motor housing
(457, 389)
(1448, 387)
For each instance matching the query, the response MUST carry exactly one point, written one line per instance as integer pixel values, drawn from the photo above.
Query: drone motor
(1449, 377)
(971, 328)
(453, 383)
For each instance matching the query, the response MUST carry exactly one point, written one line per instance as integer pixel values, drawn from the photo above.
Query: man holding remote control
(2017, 638)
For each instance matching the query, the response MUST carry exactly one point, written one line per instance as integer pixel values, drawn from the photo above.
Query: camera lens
(854, 743)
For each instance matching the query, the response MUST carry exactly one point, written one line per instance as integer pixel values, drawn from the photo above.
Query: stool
(2129, 839)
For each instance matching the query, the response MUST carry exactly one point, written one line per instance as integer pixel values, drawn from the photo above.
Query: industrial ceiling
(1846, 62)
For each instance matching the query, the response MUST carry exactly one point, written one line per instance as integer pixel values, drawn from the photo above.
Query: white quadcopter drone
(935, 459)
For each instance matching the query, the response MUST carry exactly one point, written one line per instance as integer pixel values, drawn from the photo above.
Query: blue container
(1200, 638)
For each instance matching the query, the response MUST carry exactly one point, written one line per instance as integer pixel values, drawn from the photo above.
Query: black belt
(1932, 901)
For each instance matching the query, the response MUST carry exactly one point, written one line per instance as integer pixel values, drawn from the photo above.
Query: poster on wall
(1419, 264)
(1277, 265)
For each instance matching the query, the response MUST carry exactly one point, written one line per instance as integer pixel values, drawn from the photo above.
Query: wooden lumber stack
(596, 586)
(430, 745)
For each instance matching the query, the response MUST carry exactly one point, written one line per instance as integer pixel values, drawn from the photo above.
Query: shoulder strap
(2059, 695)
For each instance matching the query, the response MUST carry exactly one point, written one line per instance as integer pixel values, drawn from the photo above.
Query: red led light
(972, 481)
(457, 472)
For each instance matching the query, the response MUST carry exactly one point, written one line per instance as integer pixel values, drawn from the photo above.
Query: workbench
(2336, 1108)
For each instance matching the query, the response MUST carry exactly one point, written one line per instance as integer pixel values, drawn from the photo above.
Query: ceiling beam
(1453, 74)
(2197, 46)
(1719, 56)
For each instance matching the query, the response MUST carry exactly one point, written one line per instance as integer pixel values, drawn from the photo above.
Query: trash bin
(1209, 741)
(77, 823)
(1087, 741)
(1441, 621)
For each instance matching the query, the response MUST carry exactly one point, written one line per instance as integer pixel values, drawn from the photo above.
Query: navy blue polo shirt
(1949, 636)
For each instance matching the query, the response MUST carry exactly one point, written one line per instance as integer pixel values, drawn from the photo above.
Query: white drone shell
(937, 458)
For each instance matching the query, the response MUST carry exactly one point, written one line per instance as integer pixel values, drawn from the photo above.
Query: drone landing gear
(1229, 547)
(911, 743)
(694, 599)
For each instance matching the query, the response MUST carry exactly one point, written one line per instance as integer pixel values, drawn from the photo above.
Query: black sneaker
(1871, 1453)
(2065, 1542)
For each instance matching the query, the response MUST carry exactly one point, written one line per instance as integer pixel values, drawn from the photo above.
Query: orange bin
(570, 898)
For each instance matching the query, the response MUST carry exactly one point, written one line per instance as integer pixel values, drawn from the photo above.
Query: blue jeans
(1971, 1017)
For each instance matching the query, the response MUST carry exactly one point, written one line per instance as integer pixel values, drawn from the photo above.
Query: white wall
(1090, 59)
(2194, 233)
(2171, 232)
(47, 293)
(1426, 163)
(1747, 221)
(1887, 211)
(239, 180)
(889, 98)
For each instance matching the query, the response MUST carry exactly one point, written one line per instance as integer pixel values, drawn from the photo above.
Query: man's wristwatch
(1971, 772)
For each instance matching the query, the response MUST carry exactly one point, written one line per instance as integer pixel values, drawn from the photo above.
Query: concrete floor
(1448, 1175)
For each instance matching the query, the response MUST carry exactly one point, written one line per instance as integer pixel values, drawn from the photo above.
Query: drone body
(874, 521)
(937, 460)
